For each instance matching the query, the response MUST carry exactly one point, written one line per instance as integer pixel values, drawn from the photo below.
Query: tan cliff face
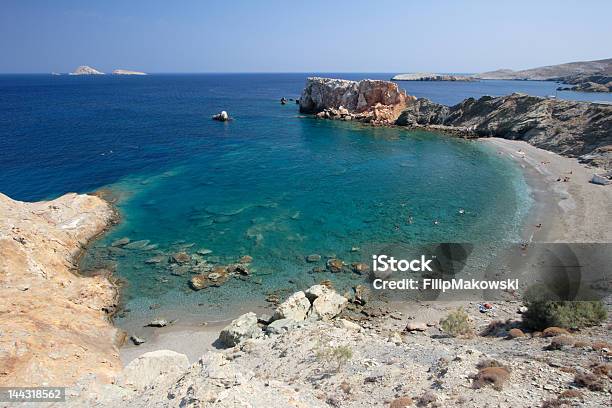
(368, 100)
(54, 326)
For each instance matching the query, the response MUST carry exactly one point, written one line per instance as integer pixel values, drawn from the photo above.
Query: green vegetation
(457, 324)
(567, 314)
(338, 356)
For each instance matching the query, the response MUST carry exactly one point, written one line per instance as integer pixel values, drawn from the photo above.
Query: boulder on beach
(296, 307)
(326, 303)
(240, 329)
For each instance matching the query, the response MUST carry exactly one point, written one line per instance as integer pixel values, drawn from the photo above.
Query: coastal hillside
(550, 72)
(86, 70)
(322, 349)
(55, 325)
(427, 76)
(575, 129)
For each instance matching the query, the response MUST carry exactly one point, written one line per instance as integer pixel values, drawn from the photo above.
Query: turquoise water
(303, 186)
(272, 184)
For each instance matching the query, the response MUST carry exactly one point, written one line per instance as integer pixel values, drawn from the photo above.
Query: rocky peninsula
(54, 324)
(428, 76)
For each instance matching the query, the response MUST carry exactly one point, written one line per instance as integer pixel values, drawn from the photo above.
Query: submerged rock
(240, 329)
(313, 258)
(335, 265)
(360, 267)
(121, 242)
(180, 258)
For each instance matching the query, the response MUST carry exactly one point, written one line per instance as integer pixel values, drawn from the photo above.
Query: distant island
(428, 76)
(86, 70)
(127, 72)
(586, 76)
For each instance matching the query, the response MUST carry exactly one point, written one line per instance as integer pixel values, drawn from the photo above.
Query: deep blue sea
(271, 183)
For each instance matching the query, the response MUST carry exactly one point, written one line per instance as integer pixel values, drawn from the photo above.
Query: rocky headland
(372, 101)
(575, 129)
(587, 83)
(54, 324)
(86, 70)
(428, 76)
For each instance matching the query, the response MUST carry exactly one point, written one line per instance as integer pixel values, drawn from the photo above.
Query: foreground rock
(240, 329)
(54, 325)
(575, 129)
(368, 100)
(342, 364)
(428, 76)
(86, 70)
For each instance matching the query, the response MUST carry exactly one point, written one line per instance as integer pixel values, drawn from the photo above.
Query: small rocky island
(127, 72)
(86, 70)
(427, 76)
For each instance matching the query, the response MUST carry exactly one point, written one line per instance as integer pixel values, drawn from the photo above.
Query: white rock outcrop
(240, 329)
(296, 307)
(145, 370)
(326, 303)
(86, 70)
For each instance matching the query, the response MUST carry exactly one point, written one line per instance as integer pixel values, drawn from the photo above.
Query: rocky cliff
(575, 129)
(54, 326)
(368, 100)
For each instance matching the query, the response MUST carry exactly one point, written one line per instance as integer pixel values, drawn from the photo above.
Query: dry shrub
(598, 345)
(494, 329)
(554, 331)
(457, 324)
(401, 402)
(427, 398)
(589, 380)
(494, 376)
(569, 394)
(581, 344)
(602, 369)
(490, 363)
(560, 342)
(554, 403)
(515, 333)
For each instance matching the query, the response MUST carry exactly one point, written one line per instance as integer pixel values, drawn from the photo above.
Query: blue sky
(288, 36)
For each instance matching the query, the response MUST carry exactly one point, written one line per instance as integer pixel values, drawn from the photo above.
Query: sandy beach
(575, 210)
